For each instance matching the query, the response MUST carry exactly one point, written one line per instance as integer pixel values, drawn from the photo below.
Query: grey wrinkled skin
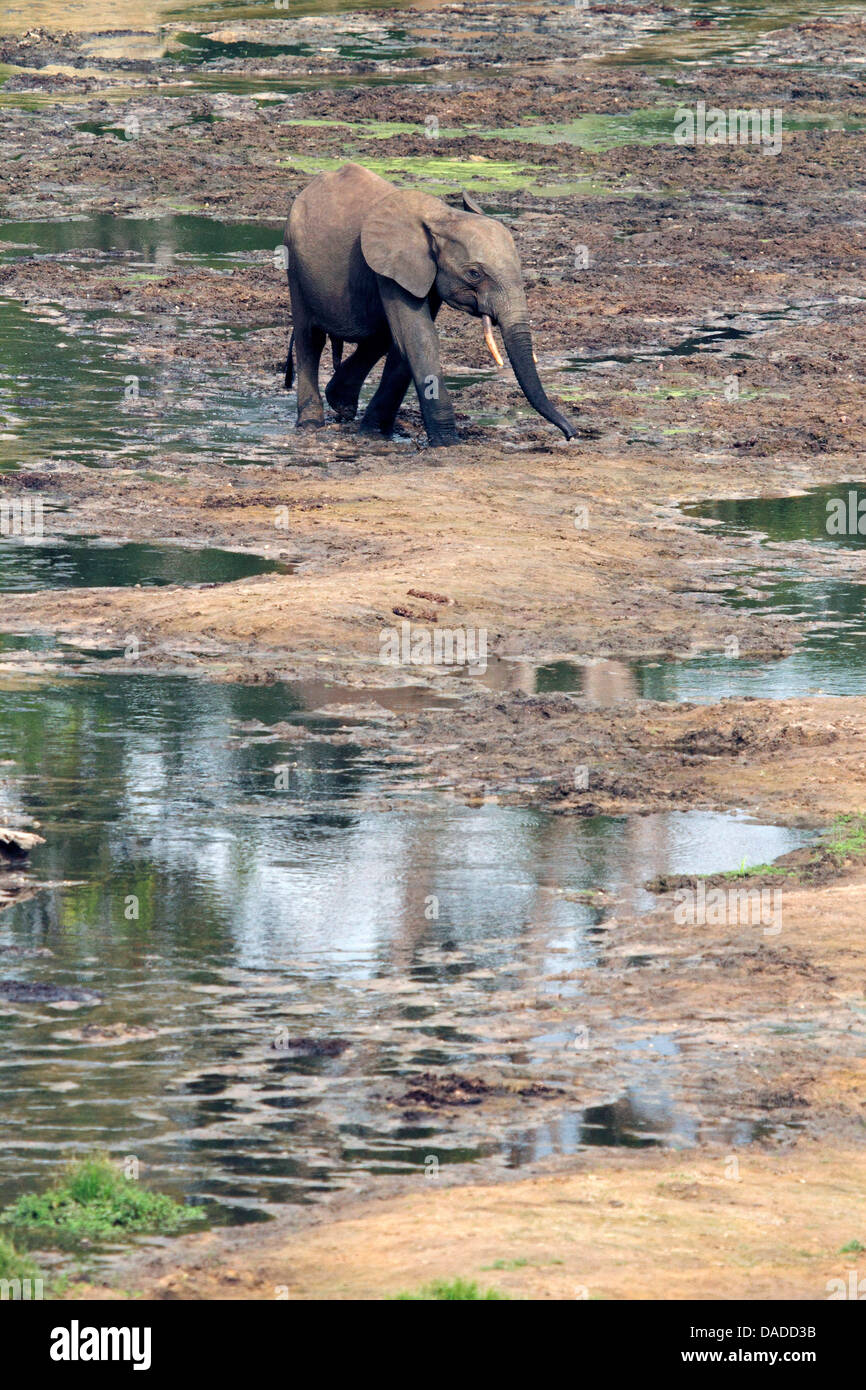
(371, 264)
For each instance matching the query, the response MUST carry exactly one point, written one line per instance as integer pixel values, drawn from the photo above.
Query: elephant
(371, 264)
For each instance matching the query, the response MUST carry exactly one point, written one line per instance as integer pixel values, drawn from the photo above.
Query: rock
(17, 844)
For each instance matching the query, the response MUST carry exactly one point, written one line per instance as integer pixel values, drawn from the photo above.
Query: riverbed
(338, 922)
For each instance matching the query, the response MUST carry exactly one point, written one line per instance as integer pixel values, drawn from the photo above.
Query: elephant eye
(474, 274)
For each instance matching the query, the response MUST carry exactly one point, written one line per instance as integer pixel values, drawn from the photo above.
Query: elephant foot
(310, 425)
(442, 439)
(344, 407)
(368, 426)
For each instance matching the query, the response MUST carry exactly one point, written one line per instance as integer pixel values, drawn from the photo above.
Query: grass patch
(442, 175)
(854, 1247)
(846, 837)
(13, 1265)
(757, 871)
(843, 840)
(439, 172)
(453, 1291)
(96, 1202)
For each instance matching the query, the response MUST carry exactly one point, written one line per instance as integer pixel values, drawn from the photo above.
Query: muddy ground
(634, 246)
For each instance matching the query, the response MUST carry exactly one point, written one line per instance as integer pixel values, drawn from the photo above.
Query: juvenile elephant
(371, 264)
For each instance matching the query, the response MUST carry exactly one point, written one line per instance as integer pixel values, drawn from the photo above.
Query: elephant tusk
(491, 341)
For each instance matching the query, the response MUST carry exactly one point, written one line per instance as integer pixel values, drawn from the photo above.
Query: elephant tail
(336, 351)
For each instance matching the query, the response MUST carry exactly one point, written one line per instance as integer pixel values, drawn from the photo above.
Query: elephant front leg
(414, 335)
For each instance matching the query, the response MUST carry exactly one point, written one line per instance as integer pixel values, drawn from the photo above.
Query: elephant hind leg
(382, 411)
(344, 388)
(309, 342)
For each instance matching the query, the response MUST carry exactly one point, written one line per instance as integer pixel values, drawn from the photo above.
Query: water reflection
(831, 514)
(632, 1122)
(142, 241)
(728, 31)
(232, 889)
(77, 562)
(830, 658)
(78, 389)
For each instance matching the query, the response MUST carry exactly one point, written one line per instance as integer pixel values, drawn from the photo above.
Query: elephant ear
(396, 243)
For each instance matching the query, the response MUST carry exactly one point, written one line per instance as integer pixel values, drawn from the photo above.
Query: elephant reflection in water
(601, 682)
(609, 683)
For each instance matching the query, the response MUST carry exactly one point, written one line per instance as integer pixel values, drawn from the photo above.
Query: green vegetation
(457, 1291)
(438, 171)
(13, 1265)
(854, 1247)
(594, 132)
(757, 871)
(443, 175)
(96, 1202)
(846, 837)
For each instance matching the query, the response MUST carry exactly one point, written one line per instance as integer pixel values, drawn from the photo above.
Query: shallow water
(265, 914)
(142, 242)
(829, 659)
(75, 387)
(376, 47)
(835, 514)
(71, 562)
(732, 31)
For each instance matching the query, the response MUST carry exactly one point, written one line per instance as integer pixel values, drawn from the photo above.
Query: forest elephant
(371, 264)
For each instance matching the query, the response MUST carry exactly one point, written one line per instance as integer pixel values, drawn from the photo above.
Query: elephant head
(471, 261)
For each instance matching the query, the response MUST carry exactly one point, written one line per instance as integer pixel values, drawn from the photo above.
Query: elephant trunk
(517, 338)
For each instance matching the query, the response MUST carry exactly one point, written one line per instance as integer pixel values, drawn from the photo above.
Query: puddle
(831, 658)
(633, 1122)
(203, 81)
(835, 514)
(72, 562)
(729, 33)
(377, 46)
(144, 241)
(74, 387)
(233, 890)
